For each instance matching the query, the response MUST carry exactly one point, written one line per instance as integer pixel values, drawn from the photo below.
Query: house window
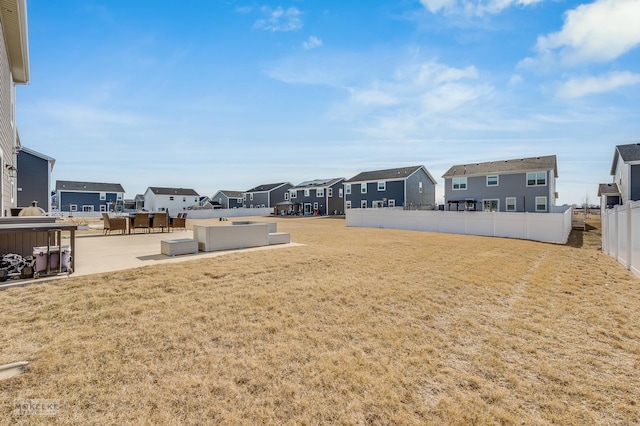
(103, 208)
(377, 204)
(103, 196)
(239, 200)
(392, 203)
(492, 180)
(536, 179)
(382, 186)
(459, 183)
(73, 207)
(251, 197)
(184, 199)
(306, 192)
(510, 204)
(340, 192)
(490, 205)
(315, 205)
(87, 208)
(330, 192)
(286, 196)
(263, 206)
(244, 197)
(294, 194)
(347, 188)
(420, 187)
(195, 200)
(320, 192)
(348, 204)
(170, 198)
(363, 188)
(363, 204)
(119, 196)
(541, 204)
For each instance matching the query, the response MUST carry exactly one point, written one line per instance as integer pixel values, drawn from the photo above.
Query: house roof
(317, 183)
(67, 185)
(547, 162)
(172, 191)
(13, 14)
(231, 194)
(52, 161)
(629, 153)
(389, 174)
(267, 187)
(608, 189)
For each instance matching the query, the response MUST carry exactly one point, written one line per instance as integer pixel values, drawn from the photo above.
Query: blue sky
(229, 94)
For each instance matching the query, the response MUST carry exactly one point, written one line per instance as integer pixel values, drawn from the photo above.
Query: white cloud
(280, 19)
(311, 43)
(596, 32)
(473, 7)
(579, 87)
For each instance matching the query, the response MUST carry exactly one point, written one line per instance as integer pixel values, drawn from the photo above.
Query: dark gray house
(268, 195)
(609, 194)
(518, 185)
(625, 170)
(34, 179)
(315, 197)
(225, 199)
(89, 196)
(401, 187)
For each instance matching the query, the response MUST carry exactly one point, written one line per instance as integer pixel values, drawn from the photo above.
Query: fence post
(628, 236)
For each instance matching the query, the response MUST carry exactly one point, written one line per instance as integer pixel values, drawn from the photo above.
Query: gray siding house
(14, 69)
(268, 195)
(224, 199)
(519, 185)
(625, 170)
(409, 187)
(315, 197)
(89, 196)
(34, 179)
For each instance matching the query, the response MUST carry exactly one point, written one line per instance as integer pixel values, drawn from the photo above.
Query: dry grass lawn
(359, 326)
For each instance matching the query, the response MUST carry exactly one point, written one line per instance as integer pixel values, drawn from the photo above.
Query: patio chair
(113, 224)
(161, 220)
(140, 221)
(180, 221)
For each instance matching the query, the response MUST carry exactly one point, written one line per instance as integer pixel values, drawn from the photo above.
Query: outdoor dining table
(132, 217)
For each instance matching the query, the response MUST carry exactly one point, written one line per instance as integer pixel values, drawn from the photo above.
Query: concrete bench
(212, 238)
(279, 238)
(179, 246)
(273, 226)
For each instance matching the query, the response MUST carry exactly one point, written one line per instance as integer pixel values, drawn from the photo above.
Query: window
(459, 183)
(420, 187)
(392, 203)
(195, 200)
(119, 196)
(306, 192)
(73, 207)
(184, 199)
(490, 205)
(251, 198)
(103, 208)
(377, 204)
(286, 196)
(363, 204)
(510, 204)
(363, 188)
(239, 200)
(244, 197)
(382, 186)
(340, 193)
(170, 198)
(330, 192)
(320, 192)
(348, 204)
(294, 194)
(263, 206)
(315, 205)
(541, 204)
(87, 208)
(536, 179)
(492, 180)
(348, 188)
(103, 196)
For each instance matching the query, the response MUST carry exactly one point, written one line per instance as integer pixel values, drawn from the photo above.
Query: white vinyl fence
(621, 235)
(546, 227)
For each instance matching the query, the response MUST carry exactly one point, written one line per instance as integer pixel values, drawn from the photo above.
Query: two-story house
(34, 179)
(519, 185)
(400, 187)
(225, 199)
(75, 196)
(625, 170)
(14, 69)
(267, 195)
(315, 197)
(157, 199)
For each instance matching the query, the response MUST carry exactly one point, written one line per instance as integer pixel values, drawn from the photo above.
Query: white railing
(546, 227)
(621, 235)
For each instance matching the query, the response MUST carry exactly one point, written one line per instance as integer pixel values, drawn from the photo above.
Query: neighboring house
(14, 69)
(609, 194)
(34, 179)
(519, 185)
(401, 187)
(170, 199)
(138, 202)
(319, 197)
(75, 196)
(205, 201)
(225, 199)
(268, 195)
(625, 170)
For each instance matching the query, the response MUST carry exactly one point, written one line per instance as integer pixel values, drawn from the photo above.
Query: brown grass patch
(359, 326)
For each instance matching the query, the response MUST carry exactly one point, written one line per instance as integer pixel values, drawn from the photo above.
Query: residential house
(225, 199)
(158, 199)
(75, 196)
(14, 69)
(609, 194)
(34, 179)
(267, 195)
(518, 185)
(314, 197)
(400, 187)
(625, 170)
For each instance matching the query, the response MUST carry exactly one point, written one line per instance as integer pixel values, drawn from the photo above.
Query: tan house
(14, 69)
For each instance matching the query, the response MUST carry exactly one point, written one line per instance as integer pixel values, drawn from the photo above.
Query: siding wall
(33, 181)
(7, 131)
(634, 191)
(428, 195)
